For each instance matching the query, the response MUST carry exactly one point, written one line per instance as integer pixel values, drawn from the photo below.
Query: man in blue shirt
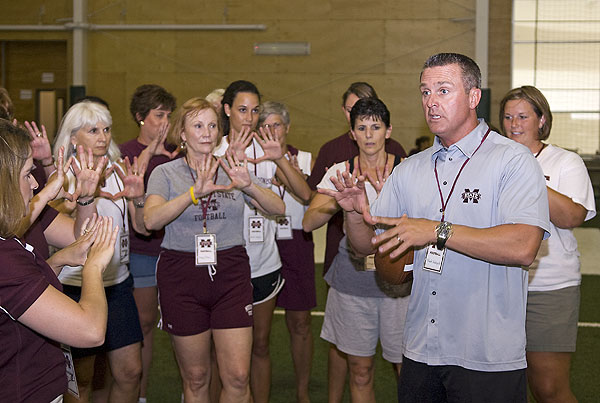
(474, 207)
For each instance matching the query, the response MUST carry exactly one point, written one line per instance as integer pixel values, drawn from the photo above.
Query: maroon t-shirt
(40, 176)
(145, 245)
(340, 149)
(35, 234)
(32, 367)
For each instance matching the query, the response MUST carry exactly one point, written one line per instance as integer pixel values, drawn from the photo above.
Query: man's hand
(405, 232)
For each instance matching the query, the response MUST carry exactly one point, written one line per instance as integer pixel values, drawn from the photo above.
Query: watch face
(444, 230)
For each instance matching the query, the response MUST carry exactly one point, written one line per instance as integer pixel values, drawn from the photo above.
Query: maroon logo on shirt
(255, 224)
(283, 221)
(473, 196)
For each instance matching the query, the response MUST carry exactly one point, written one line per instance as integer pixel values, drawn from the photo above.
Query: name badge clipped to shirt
(206, 249)
(71, 378)
(124, 247)
(256, 229)
(370, 263)
(434, 260)
(284, 227)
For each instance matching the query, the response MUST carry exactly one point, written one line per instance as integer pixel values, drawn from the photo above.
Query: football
(392, 270)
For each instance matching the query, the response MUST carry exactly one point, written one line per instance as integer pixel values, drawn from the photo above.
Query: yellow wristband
(194, 200)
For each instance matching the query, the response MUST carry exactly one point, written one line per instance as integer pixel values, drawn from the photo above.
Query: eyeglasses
(274, 126)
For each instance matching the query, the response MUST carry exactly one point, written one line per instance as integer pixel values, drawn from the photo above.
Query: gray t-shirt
(224, 215)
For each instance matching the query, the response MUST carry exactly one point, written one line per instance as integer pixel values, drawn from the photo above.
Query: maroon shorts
(191, 303)
(298, 270)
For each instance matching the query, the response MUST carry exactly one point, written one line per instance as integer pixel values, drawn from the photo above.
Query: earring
(73, 149)
(141, 123)
(183, 145)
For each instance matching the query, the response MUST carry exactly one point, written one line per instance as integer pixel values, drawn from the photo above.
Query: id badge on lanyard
(70, 371)
(284, 227)
(205, 249)
(256, 229)
(124, 247)
(434, 259)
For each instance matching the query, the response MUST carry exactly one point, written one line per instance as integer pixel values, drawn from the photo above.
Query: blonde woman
(203, 271)
(88, 125)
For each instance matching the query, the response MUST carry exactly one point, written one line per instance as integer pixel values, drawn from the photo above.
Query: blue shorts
(143, 270)
(123, 327)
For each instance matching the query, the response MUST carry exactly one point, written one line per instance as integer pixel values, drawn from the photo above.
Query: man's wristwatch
(444, 232)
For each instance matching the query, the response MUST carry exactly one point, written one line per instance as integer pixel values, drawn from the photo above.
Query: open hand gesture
(88, 173)
(379, 181)
(206, 169)
(238, 142)
(40, 146)
(350, 193)
(132, 178)
(237, 171)
(156, 147)
(271, 147)
(54, 188)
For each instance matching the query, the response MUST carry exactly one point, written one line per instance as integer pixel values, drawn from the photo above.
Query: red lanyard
(445, 204)
(204, 202)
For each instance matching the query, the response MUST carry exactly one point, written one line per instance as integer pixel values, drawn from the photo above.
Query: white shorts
(355, 324)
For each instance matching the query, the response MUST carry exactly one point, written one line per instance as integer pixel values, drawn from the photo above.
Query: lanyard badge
(284, 227)
(256, 229)
(124, 248)
(205, 249)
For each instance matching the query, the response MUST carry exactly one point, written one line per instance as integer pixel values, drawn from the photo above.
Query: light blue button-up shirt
(473, 313)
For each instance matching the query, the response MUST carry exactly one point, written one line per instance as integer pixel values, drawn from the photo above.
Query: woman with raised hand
(87, 125)
(361, 308)
(296, 249)
(151, 107)
(36, 314)
(554, 276)
(203, 272)
(240, 117)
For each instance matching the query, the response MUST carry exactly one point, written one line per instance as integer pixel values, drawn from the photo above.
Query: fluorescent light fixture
(282, 48)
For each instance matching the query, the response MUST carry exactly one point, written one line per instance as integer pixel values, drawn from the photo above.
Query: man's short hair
(470, 70)
(370, 108)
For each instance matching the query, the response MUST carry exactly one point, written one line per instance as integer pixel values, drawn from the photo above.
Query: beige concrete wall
(383, 42)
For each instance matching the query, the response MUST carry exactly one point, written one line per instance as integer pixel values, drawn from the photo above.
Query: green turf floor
(165, 385)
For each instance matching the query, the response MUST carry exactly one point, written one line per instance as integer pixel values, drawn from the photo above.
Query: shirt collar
(467, 145)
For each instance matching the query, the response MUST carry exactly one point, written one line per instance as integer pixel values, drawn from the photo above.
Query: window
(556, 47)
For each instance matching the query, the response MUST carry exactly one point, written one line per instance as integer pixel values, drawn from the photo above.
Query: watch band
(444, 232)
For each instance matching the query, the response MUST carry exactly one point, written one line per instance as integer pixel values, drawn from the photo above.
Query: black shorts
(267, 287)
(420, 382)
(123, 327)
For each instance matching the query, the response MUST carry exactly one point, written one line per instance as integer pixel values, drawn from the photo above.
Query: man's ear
(474, 97)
